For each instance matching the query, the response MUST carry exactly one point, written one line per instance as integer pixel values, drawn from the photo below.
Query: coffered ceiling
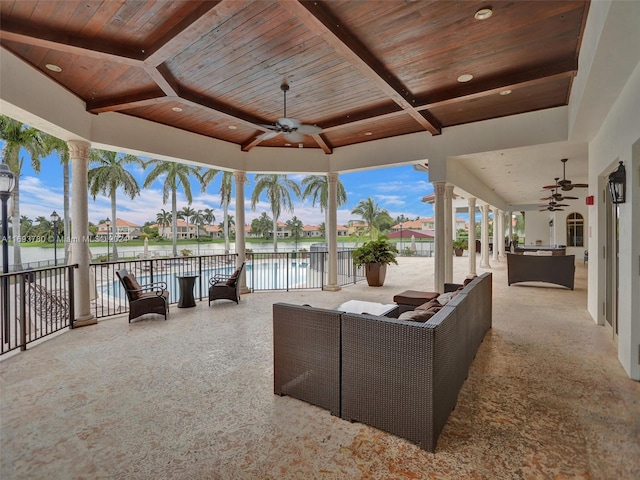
(359, 70)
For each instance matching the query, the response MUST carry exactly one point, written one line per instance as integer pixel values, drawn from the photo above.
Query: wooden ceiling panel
(195, 119)
(520, 100)
(388, 67)
(367, 130)
(89, 80)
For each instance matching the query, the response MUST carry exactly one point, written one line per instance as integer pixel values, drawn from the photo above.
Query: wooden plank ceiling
(360, 70)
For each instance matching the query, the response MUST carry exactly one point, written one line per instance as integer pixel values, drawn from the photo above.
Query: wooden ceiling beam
(126, 102)
(196, 24)
(41, 36)
(322, 23)
(322, 143)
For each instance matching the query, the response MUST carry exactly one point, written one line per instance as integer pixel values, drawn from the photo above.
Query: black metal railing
(35, 304)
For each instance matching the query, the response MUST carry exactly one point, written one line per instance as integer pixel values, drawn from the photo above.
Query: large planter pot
(458, 252)
(376, 273)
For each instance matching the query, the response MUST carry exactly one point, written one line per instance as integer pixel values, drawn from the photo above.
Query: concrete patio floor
(192, 397)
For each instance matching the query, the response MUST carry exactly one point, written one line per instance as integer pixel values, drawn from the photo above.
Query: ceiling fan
(553, 206)
(564, 184)
(558, 197)
(292, 129)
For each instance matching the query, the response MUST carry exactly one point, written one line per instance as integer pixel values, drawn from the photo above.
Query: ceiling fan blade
(580, 185)
(309, 129)
(549, 187)
(294, 137)
(267, 136)
(569, 198)
(288, 123)
(269, 127)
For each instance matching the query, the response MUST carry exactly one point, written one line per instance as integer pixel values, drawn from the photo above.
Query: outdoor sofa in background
(556, 269)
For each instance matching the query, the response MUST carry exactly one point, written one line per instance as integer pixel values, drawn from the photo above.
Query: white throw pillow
(444, 298)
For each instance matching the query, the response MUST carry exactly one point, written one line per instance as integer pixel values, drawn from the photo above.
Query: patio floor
(193, 398)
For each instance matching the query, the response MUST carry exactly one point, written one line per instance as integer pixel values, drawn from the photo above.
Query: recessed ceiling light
(483, 14)
(368, 134)
(232, 127)
(287, 144)
(53, 68)
(176, 109)
(505, 92)
(465, 77)
(300, 145)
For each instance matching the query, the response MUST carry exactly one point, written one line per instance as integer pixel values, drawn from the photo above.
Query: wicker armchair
(143, 299)
(222, 287)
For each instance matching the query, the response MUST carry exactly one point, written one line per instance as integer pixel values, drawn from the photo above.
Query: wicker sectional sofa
(400, 376)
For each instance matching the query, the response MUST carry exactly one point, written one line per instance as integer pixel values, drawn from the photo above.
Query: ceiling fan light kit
(292, 129)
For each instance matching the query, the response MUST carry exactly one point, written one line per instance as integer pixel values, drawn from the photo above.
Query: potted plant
(375, 256)
(459, 246)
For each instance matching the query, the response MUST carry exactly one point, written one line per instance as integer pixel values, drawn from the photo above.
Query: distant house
(125, 230)
(185, 230)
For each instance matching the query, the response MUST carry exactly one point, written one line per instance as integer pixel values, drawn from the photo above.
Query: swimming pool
(263, 275)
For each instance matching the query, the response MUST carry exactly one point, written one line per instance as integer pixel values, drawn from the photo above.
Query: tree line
(108, 173)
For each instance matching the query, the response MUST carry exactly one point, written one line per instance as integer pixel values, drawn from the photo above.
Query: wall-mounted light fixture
(617, 184)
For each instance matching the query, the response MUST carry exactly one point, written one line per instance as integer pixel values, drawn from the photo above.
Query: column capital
(439, 188)
(332, 177)
(79, 149)
(240, 176)
(471, 201)
(448, 191)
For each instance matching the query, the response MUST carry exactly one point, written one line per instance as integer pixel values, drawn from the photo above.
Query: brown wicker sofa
(400, 376)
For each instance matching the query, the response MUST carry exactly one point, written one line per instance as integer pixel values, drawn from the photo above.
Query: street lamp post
(107, 221)
(7, 182)
(55, 218)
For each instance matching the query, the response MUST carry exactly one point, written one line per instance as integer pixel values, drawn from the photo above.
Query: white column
(496, 234)
(332, 233)
(240, 179)
(439, 241)
(510, 223)
(79, 155)
(484, 255)
(448, 234)
(501, 231)
(472, 236)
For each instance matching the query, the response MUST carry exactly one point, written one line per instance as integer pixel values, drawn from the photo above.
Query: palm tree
(198, 219)
(228, 223)
(53, 144)
(17, 136)
(373, 215)
(225, 199)
(261, 225)
(295, 225)
(317, 188)
(185, 214)
(277, 188)
(108, 176)
(226, 185)
(208, 216)
(177, 174)
(163, 218)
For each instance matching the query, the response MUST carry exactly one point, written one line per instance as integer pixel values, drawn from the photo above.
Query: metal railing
(35, 304)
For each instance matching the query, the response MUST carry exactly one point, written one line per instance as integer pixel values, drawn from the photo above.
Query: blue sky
(399, 190)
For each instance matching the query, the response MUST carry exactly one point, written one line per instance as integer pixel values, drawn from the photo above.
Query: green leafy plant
(375, 251)
(460, 243)
(185, 252)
